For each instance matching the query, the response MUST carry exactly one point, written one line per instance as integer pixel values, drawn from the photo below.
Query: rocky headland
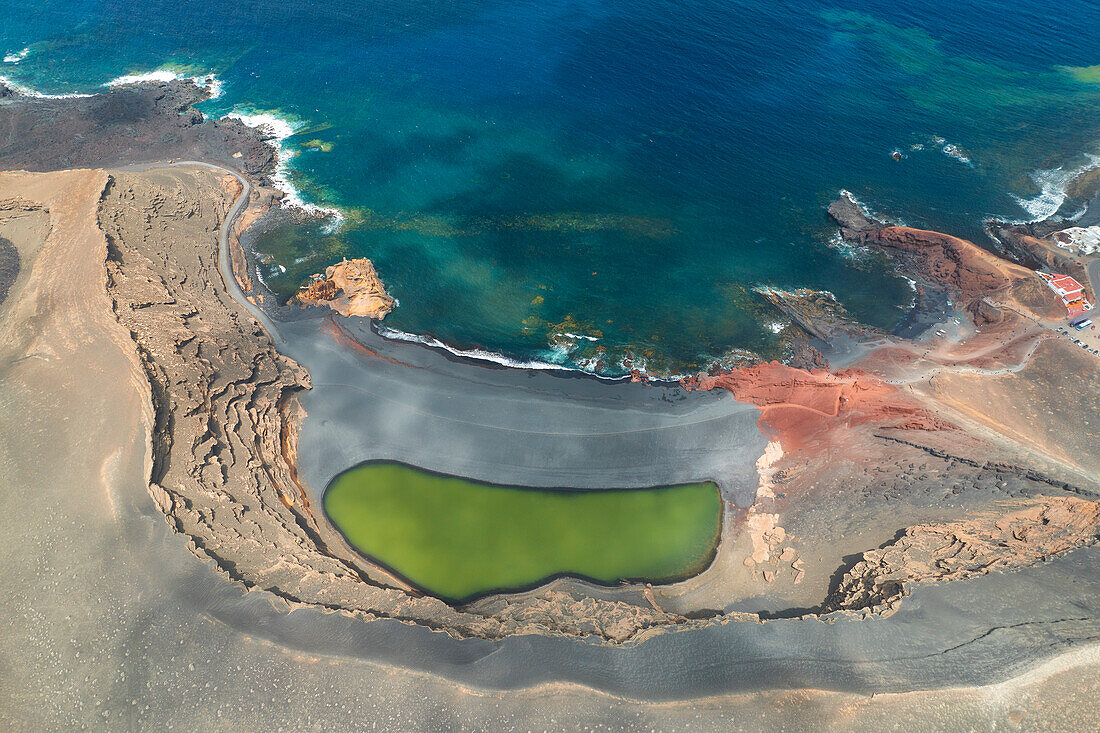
(124, 125)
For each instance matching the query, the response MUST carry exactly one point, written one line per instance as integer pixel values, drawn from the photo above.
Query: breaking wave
(15, 58)
(494, 357)
(278, 130)
(28, 92)
(209, 82)
(1052, 183)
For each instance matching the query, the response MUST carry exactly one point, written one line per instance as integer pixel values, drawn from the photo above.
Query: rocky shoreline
(225, 417)
(124, 125)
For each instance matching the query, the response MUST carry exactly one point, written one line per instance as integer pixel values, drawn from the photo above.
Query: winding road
(225, 266)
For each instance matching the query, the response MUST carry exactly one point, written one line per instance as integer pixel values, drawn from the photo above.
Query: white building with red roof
(1069, 290)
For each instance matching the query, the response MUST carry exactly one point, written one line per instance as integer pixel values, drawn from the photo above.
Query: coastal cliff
(932, 257)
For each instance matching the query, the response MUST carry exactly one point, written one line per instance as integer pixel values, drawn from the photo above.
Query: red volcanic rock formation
(962, 266)
(805, 409)
(950, 261)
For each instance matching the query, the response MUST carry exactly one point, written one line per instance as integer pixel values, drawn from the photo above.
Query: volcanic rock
(351, 288)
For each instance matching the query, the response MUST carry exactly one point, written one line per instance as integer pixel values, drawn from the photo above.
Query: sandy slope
(1051, 404)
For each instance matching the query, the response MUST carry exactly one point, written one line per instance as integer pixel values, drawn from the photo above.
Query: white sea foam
(867, 210)
(951, 150)
(638, 365)
(213, 84)
(568, 335)
(871, 213)
(209, 82)
(914, 288)
(1052, 184)
(849, 195)
(28, 92)
(480, 354)
(954, 151)
(15, 58)
(560, 352)
(161, 75)
(586, 366)
(279, 129)
(849, 250)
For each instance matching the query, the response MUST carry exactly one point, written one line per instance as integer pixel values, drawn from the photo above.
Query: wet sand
(509, 426)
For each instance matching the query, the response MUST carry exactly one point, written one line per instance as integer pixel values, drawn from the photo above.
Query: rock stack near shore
(351, 288)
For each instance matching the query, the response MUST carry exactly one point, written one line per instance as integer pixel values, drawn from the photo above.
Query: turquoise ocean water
(573, 180)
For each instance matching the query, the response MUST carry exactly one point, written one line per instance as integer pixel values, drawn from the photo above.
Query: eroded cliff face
(351, 288)
(1021, 534)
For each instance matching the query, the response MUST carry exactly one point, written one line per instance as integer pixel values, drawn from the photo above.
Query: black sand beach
(103, 589)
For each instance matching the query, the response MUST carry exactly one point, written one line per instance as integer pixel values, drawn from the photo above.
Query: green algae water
(459, 539)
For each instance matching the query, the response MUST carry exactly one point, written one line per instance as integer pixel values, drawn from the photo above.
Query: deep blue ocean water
(519, 171)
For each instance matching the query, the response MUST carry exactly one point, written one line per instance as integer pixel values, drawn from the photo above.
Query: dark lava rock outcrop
(124, 125)
(934, 258)
(9, 267)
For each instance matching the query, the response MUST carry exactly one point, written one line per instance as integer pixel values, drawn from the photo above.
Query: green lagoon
(459, 539)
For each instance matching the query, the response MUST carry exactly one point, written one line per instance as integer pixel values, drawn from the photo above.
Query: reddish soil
(949, 260)
(808, 410)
